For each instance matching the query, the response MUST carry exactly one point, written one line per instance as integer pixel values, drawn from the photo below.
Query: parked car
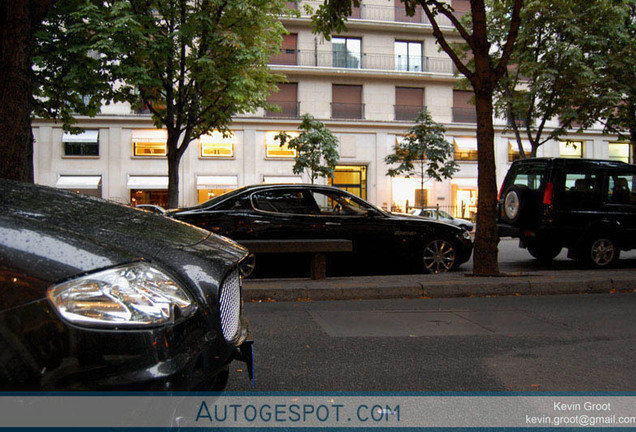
(441, 215)
(96, 295)
(587, 206)
(152, 208)
(379, 239)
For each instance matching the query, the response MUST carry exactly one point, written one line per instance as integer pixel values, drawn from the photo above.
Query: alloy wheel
(438, 256)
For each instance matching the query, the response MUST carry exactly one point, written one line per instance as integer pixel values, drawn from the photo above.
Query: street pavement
(520, 275)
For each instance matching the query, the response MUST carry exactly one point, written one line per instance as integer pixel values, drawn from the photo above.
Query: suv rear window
(531, 175)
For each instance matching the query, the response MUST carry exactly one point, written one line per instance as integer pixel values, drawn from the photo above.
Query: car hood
(49, 235)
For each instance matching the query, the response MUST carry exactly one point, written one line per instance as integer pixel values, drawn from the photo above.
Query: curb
(439, 286)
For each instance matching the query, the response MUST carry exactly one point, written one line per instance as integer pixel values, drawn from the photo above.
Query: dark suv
(587, 206)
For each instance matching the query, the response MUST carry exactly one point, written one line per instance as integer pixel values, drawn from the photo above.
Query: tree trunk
(174, 159)
(486, 237)
(18, 20)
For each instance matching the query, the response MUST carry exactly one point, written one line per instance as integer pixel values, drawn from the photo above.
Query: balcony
(407, 112)
(288, 109)
(382, 13)
(368, 61)
(464, 115)
(348, 111)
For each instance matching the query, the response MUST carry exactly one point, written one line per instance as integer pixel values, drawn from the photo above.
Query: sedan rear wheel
(438, 256)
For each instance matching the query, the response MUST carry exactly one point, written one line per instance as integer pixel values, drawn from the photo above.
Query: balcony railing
(408, 112)
(382, 13)
(288, 109)
(464, 115)
(385, 62)
(347, 111)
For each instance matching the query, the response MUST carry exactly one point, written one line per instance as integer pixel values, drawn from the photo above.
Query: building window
(150, 143)
(408, 56)
(402, 16)
(346, 52)
(571, 149)
(273, 149)
(464, 193)
(209, 187)
(287, 99)
(463, 110)
(214, 145)
(619, 151)
(409, 103)
(513, 150)
(288, 51)
(83, 144)
(148, 190)
(352, 178)
(347, 102)
(87, 185)
(465, 149)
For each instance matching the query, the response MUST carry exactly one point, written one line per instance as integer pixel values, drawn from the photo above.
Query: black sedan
(99, 296)
(380, 240)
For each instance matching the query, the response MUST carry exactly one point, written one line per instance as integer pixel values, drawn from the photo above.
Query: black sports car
(99, 296)
(379, 239)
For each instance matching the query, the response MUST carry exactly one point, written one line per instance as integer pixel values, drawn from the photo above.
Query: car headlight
(137, 294)
(466, 235)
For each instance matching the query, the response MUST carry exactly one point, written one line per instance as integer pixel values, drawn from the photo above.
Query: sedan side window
(333, 204)
(282, 201)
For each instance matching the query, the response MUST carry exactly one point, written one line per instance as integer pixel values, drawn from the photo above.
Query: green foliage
(68, 74)
(621, 118)
(193, 64)
(423, 152)
(561, 63)
(316, 148)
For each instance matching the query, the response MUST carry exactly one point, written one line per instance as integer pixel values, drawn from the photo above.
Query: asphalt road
(548, 343)
(514, 259)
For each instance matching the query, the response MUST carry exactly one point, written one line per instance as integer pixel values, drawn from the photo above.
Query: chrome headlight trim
(132, 295)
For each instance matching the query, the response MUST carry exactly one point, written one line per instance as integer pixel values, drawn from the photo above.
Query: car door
(228, 217)
(345, 217)
(620, 204)
(285, 213)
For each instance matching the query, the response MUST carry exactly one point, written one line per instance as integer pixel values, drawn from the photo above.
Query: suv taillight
(547, 195)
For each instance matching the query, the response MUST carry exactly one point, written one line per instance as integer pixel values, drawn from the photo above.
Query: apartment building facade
(366, 85)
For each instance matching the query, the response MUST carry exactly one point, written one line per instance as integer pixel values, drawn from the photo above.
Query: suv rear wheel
(599, 252)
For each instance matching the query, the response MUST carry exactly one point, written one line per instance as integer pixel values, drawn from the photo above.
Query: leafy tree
(561, 62)
(483, 75)
(19, 20)
(193, 64)
(316, 148)
(70, 76)
(621, 118)
(423, 153)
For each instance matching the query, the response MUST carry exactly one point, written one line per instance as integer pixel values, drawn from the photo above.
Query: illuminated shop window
(209, 187)
(275, 150)
(150, 142)
(513, 150)
(465, 149)
(215, 145)
(571, 149)
(619, 151)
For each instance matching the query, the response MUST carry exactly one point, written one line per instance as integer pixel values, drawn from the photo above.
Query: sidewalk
(454, 284)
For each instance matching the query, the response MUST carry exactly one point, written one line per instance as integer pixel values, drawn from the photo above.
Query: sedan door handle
(261, 222)
(333, 223)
